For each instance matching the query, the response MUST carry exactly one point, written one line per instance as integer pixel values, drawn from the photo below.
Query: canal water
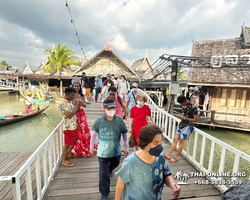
(27, 135)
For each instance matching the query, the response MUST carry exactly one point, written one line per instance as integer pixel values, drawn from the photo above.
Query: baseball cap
(134, 85)
(109, 105)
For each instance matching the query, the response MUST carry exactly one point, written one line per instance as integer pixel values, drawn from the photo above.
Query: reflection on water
(27, 135)
(238, 139)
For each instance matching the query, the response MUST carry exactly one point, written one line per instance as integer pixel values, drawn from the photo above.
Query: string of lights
(77, 35)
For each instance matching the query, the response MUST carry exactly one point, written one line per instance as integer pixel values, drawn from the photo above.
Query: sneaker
(104, 197)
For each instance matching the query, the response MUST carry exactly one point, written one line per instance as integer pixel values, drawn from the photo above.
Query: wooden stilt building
(228, 86)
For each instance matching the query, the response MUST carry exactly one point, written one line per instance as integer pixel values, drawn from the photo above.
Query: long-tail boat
(8, 119)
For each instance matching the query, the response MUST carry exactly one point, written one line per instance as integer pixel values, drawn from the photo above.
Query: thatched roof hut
(209, 75)
(106, 61)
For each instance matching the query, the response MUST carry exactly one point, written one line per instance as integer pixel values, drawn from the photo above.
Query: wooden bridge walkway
(9, 165)
(82, 180)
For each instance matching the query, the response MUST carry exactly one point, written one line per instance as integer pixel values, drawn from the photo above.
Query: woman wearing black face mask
(145, 166)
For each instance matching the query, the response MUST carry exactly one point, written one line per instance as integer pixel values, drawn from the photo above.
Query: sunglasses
(112, 94)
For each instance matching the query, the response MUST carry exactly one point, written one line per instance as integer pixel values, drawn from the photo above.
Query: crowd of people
(147, 164)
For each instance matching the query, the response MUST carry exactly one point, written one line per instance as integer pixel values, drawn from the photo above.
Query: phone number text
(218, 182)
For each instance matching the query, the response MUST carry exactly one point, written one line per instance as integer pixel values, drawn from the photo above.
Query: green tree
(60, 58)
(4, 63)
(182, 73)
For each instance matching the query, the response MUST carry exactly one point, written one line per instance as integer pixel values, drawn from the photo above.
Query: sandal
(168, 158)
(67, 164)
(173, 160)
(70, 156)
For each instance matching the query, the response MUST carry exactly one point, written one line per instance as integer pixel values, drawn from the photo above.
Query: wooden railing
(38, 171)
(210, 114)
(207, 152)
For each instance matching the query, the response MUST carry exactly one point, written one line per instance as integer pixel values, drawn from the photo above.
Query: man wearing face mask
(109, 128)
(120, 104)
(131, 102)
(106, 81)
(113, 80)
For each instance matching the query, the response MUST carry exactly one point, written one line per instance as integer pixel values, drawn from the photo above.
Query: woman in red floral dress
(82, 146)
(138, 115)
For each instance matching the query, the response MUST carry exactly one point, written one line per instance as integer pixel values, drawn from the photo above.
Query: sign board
(7, 72)
(174, 88)
(217, 61)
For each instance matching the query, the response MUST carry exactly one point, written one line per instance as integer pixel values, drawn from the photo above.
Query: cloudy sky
(27, 27)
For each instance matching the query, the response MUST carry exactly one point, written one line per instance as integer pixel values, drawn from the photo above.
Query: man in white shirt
(28, 103)
(113, 79)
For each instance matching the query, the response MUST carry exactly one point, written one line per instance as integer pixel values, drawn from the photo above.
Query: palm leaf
(182, 73)
(60, 58)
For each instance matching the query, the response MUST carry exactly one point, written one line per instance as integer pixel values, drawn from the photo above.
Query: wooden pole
(61, 87)
(17, 82)
(29, 85)
(23, 83)
(212, 117)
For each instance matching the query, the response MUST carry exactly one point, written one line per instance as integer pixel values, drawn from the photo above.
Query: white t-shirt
(123, 87)
(114, 81)
(28, 100)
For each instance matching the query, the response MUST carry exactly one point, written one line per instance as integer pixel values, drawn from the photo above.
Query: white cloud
(28, 27)
(120, 43)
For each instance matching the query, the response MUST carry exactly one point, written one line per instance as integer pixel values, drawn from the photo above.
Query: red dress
(140, 120)
(82, 146)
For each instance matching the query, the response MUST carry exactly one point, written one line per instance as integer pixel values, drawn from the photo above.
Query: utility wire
(77, 35)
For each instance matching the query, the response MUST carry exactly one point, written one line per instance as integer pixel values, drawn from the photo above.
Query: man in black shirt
(86, 85)
(186, 127)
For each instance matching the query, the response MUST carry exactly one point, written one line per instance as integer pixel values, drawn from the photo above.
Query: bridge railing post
(201, 158)
(44, 152)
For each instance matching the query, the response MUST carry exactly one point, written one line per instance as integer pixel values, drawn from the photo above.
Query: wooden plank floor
(9, 164)
(81, 181)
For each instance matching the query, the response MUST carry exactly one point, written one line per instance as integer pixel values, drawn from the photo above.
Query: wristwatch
(184, 118)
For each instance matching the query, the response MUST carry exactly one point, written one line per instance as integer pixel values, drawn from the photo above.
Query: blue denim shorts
(185, 132)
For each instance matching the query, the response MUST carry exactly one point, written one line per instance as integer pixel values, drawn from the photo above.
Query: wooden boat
(13, 92)
(16, 118)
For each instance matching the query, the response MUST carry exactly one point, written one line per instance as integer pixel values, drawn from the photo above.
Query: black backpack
(127, 86)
